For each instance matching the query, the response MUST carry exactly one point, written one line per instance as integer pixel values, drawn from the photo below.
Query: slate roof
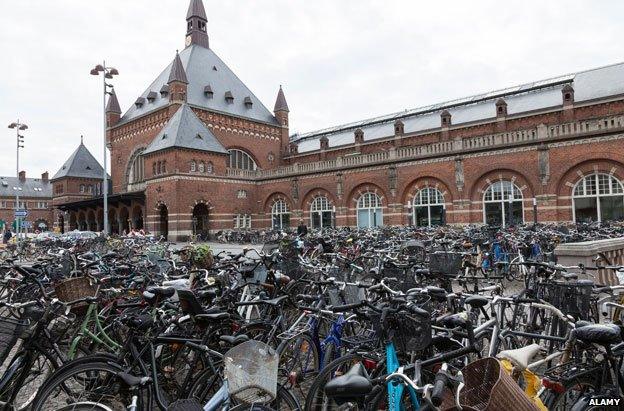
(185, 130)
(202, 66)
(80, 164)
(594, 84)
(177, 72)
(113, 104)
(196, 9)
(31, 187)
(280, 102)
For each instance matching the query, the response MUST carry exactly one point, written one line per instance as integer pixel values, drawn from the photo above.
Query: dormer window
(139, 102)
(208, 91)
(152, 96)
(229, 98)
(248, 102)
(198, 136)
(164, 90)
(567, 96)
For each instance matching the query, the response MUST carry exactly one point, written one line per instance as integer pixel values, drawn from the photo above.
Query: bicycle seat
(604, 334)
(206, 318)
(476, 301)
(141, 323)
(520, 357)
(453, 320)
(353, 384)
(163, 292)
(585, 282)
(234, 339)
(570, 276)
(273, 302)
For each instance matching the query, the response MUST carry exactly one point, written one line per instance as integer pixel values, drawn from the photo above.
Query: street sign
(26, 224)
(21, 213)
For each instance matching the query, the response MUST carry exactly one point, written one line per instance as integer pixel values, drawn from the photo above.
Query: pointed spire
(177, 72)
(113, 104)
(196, 9)
(81, 140)
(280, 103)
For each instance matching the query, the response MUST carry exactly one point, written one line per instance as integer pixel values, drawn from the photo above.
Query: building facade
(198, 152)
(35, 196)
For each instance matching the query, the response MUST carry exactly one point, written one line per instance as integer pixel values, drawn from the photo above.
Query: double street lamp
(18, 126)
(107, 73)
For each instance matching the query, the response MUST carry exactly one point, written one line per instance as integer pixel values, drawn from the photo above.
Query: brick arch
(306, 202)
(208, 204)
(358, 190)
(161, 203)
(272, 199)
(518, 178)
(135, 153)
(572, 175)
(426, 181)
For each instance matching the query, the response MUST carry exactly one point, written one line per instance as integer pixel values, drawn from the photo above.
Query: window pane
(516, 213)
(493, 214)
(363, 220)
(612, 208)
(422, 218)
(585, 209)
(285, 221)
(377, 217)
(437, 215)
(316, 220)
(590, 185)
(327, 219)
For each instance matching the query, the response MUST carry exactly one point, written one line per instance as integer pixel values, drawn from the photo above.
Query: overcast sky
(339, 61)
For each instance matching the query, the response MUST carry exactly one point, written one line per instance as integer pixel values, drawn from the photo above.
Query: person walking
(6, 236)
(302, 229)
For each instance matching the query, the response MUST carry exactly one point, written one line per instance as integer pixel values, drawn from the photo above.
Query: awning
(114, 200)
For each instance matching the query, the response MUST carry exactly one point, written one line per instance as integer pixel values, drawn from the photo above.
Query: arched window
(137, 169)
(598, 197)
(280, 216)
(502, 204)
(428, 207)
(241, 160)
(164, 167)
(193, 166)
(321, 213)
(369, 211)
(82, 188)
(209, 167)
(154, 169)
(202, 167)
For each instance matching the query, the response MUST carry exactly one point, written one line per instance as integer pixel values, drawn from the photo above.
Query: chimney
(45, 177)
(22, 176)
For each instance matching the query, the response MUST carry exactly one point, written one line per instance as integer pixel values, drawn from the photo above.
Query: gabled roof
(202, 66)
(31, 187)
(80, 164)
(589, 85)
(185, 130)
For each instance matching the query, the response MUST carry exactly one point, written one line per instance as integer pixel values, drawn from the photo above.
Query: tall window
(280, 216)
(201, 167)
(598, 197)
(82, 188)
(137, 169)
(241, 160)
(369, 211)
(321, 213)
(502, 204)
(242, 221)
(428, 207)
(209, 167)
(193, 166)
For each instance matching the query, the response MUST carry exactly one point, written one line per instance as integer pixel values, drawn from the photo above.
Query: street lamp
(108, 73)
(20, 140)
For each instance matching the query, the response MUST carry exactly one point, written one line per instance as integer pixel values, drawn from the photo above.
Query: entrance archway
(200, 221)
(124, 221)
(91, 224)
(137, 218)
(112, 221)
(61, 223)
(163, 228)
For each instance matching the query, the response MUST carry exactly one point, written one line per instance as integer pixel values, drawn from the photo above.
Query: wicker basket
(10, 332)
(490, 388)
(74, 289)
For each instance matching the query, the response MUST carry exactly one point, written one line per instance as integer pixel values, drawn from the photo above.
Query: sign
(21, 213)
(26, 224)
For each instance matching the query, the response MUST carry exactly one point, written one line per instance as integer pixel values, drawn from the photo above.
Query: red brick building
(198, 152)
(35, 196)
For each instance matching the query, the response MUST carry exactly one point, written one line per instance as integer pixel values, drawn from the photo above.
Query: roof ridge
(493, 94)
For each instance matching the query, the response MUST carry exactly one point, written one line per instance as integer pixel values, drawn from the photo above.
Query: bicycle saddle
(476, 301)
(354, 383)
(164, 292)
(453, 320)
(520, 357)
(206, 318)
(599, 333)
(274, 301)
(570, 276)
(234, 339)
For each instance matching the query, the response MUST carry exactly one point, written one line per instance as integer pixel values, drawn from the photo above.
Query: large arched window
(241, 160)
(369, 211)
(201, 167)
(193, 166)
(502, 204)
(598, 197)
(321, 213)
(137, 169)
(280, 216)
(428, 207)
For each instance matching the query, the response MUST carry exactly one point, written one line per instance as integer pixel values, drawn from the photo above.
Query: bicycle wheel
(84, 406)
(299, 364)
(88, 382)
(572, 392)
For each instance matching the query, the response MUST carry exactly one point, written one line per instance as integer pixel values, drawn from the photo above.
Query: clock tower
(196, 24)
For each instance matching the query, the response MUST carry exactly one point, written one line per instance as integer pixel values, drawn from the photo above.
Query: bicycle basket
(351, 294)
(571, 298)
(444, 263)
(406, 331)
(10, 331)
(489, 388)
(251, 371)
(74, 289)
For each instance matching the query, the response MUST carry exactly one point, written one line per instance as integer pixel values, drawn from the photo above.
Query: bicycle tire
(553, 400)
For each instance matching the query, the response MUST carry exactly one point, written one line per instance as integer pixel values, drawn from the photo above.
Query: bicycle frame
(92, 316)
(395, 391)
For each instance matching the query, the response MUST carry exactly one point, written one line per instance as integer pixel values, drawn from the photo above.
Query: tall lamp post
(107, 73)
(20, 140)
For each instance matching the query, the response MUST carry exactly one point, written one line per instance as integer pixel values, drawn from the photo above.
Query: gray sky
(339, 61)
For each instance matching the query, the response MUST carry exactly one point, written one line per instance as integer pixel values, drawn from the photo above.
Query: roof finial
(81, 138)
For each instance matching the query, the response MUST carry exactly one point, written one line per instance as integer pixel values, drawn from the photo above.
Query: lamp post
(20, 140)
(534, 211)
(107, 73)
